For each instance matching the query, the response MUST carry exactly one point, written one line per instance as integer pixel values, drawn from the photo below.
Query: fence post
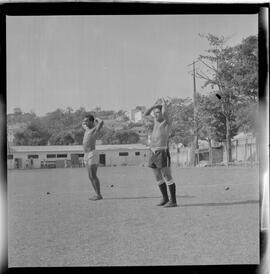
(236, 150)
(187, 158)
(227, 153)
(245, 154)
(251, 160)
(178, 152)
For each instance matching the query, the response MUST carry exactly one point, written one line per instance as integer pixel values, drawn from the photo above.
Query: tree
(17, 111)
(246, 69)
(35, 134)
(54, 120)
(78, 134)
(67, 118)
(20, 139)
(212, 122)
(127, 137)
(68, 139)
(224, 70)
(120, 137)
(62, 138)
(20, 117)
(219, 73)
(181, 113)
(247, 118)
(121, 113)
(108, 136)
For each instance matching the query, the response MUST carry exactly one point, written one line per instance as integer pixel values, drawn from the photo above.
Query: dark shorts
(159, 159)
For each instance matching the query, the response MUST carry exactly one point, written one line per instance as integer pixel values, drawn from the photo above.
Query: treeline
(231, 105)
(63, 127)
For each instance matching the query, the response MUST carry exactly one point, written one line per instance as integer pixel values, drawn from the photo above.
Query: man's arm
(99, 124)
(149, 110)
(164, 111)
(156, 105)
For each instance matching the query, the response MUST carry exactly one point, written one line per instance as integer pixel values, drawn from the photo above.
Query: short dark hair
(89, 117)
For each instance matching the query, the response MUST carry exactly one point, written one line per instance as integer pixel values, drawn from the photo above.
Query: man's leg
(162, 186)
(92, 170)
(90, 176)
(96, 181)
(166, 171)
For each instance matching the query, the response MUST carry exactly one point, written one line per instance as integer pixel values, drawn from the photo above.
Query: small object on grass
(218, 96)
(112, 185)
(48, 193)
(227, 188)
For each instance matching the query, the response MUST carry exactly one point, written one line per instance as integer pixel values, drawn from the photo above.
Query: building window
(123, 153)
(51, 155)
(32, 156)
(137, 153)
(61, 155)
(10, 156)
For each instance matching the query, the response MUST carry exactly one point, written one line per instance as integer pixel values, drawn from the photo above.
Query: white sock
(170, 182)
(161, 182)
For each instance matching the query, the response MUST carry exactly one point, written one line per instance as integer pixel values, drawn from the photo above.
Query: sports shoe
(165, 198)
(162, 202)
(170, 204)
(96, 197)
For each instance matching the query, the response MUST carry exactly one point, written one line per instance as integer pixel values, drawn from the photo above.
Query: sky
(113, 62)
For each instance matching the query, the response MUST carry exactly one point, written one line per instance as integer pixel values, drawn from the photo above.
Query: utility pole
(194, 158)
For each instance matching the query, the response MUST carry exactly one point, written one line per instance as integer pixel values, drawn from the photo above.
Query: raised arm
(156, 105)
(165, 111)
(99, 124)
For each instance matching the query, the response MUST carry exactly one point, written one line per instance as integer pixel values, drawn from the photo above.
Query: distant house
(136, 115)
(244, 147)
(72, 156)
(181, 155)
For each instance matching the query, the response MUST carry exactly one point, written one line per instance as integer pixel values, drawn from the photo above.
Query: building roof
(242, 135)
(75, 148)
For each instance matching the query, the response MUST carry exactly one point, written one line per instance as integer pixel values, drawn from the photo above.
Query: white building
(138, 116)
(135, 115)
(72, 156)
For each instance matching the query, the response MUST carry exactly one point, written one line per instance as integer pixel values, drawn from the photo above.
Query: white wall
(138, 116)
(112, 157)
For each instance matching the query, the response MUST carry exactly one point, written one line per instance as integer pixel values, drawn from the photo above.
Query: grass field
(52, 222)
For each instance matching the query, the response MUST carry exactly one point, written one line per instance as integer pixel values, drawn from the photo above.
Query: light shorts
(91, 158)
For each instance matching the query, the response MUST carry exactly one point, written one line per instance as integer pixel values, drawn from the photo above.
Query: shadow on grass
(144, 197)
(222, 204)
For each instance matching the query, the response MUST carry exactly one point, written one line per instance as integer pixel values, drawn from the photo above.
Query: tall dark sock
(163, 190)
(172, 190)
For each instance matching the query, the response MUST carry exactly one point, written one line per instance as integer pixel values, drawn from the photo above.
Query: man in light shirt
(159, 159)
(92, 127)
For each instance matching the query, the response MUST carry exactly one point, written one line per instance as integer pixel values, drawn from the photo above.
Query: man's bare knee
(157, 174)
(167, 174)
(90, 173)
(90, 176)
